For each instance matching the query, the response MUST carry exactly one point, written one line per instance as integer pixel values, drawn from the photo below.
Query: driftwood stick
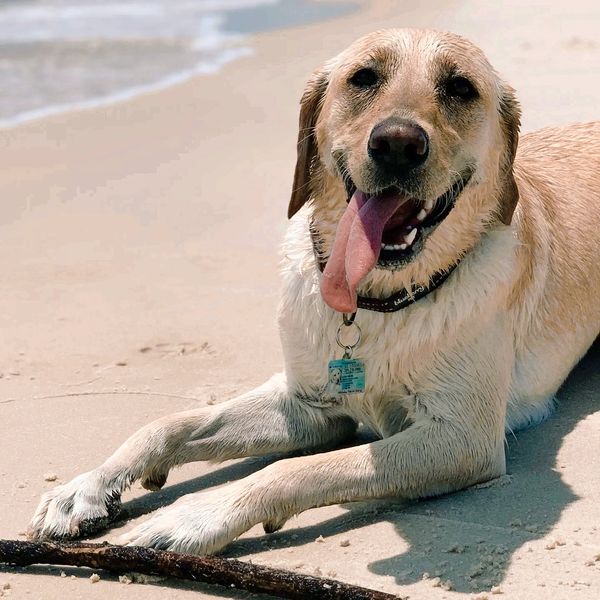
(208, 569)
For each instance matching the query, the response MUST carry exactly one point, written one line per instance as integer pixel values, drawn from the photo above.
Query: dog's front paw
(84, 505)
(200, 523)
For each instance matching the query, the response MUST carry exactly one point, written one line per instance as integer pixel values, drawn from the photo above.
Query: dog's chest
(310, 342)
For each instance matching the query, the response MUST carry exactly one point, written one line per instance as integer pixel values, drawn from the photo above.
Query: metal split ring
(348, 347)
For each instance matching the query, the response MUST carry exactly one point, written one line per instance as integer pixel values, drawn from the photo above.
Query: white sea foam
(203, 68)
(60, 55)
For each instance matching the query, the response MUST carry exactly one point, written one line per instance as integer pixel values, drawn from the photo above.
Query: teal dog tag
(346, 376)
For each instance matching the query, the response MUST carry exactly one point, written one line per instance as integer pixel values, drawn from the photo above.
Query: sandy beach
(140, 247)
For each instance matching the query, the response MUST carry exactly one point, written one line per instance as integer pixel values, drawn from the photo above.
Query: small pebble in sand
(50, 477)
(496, 590)
(320, 539)
(63, 574)
(121, 363)
(212, 399)
(344, 543)
(125, 580)
(6, 586)
(555, 544)
(317, 571)
(94, 578)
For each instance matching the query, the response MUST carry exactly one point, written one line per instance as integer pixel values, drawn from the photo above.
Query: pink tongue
(356, 247)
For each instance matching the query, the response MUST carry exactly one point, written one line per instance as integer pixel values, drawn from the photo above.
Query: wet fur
(447, 376)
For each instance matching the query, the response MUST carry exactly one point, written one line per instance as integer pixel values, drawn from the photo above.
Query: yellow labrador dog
(467, 267)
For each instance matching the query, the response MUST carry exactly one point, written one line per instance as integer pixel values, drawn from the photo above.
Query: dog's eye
(461, 88)
(364, 78)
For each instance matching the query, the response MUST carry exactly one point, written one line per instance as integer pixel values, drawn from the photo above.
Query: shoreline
(236, 45)
(126, 94)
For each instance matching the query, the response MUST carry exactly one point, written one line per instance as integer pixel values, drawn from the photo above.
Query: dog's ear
(510, 121)
(310, 107)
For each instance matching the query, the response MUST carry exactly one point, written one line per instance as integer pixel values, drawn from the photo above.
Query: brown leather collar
(398, 300)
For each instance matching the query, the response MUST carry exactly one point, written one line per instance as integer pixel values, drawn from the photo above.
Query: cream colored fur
(446, 376)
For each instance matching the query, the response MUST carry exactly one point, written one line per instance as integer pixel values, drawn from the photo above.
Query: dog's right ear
(310, 107)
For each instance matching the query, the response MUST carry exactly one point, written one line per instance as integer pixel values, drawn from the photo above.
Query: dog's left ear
(510, 121)
(310, 107)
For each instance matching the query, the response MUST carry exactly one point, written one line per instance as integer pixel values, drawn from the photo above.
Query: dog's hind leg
(266, 420)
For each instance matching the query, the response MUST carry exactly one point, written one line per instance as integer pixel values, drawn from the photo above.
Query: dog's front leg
(428, 458)
(267, 420)
(456, 440)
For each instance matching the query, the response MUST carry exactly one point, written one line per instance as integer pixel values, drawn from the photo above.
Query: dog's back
(558, 224)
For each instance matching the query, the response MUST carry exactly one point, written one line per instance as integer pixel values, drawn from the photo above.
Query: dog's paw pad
(274, 524)
(154, 481)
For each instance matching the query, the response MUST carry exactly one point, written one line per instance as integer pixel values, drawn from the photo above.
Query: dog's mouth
(406, 230)
(384, 230)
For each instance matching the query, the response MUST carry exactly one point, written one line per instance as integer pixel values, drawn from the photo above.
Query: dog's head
(406, 146)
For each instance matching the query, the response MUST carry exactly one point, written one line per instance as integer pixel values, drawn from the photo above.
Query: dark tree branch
(208, 569)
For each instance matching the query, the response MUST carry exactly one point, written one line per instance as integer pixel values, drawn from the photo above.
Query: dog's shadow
(467, 538)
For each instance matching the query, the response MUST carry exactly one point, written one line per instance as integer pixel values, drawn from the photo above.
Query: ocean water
(60, 54)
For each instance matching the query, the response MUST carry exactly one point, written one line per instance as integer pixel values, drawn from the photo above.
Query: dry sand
(139, 277)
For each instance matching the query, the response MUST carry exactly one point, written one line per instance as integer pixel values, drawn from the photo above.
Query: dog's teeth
(410, 237)
(428, 205)
(408, 241)
(421, 215)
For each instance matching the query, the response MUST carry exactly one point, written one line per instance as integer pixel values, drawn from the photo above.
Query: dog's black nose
(398, 144)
